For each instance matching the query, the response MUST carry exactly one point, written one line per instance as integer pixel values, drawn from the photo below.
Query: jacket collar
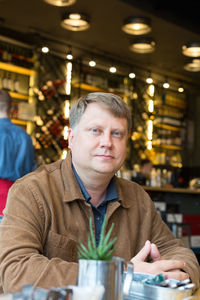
(124, 192)
(69, 181)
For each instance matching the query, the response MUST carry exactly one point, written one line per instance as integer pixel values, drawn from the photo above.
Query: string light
(69, 56)
(150, 129)
(149, 145)
(180, 89)
(113, 70)
(68, 78)
(45, 49)
(64, 154)
(92, 63)
(131, 75)
(166, 85)
(151, 90)
(66, 129)
(151, 106)
(67, 109)
(149, 80)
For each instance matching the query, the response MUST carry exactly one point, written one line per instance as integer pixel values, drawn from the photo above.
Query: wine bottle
(16, 84)
(9, 82)
(5, 81)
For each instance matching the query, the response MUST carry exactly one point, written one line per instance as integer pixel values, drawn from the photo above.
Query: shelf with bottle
(170, 121)
(164, 166)
(51, 123)
(169, 107)
(19, 96)
(168, 127)
(96, 80)
(169, 147)
(171, 112)
(20, 55)
(22, 111)
(45, 144)
(18, 82)
(19, 122)
(17, 69)
(168, 157)
(50, 139)
(92, 88)
(171, 100)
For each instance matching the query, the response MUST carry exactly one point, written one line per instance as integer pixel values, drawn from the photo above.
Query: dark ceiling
(173, 24)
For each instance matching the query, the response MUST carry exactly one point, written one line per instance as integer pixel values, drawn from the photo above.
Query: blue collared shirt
(100, 211)
(16, 151)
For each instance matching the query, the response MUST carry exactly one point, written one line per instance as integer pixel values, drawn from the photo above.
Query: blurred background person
(16, 150)
(142, 177)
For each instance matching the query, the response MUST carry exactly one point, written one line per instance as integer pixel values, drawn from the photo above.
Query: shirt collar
(111, 193)
(83, 189)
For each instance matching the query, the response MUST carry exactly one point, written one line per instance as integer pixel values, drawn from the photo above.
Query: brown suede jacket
(46, 214)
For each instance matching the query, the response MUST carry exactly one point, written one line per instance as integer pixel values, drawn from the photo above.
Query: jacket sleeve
(171, 247)
(23, 232)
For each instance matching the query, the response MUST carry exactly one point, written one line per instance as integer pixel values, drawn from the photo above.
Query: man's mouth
(105, 156)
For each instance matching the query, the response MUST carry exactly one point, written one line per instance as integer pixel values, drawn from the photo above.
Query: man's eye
(116, 133)
(95, 130)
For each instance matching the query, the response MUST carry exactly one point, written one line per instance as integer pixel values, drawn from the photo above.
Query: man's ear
(70, 137)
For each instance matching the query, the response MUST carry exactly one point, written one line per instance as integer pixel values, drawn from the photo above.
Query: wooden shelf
(16, 69)
(92, 88)
(19, 122)
(171, 190)
(170, 147)
(168, 127)
(170, 106)
(19, 96)
(87, 87)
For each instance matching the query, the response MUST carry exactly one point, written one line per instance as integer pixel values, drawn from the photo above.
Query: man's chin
(105, 171)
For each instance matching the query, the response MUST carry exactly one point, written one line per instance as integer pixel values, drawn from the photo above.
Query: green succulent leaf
(92, 234)
(104, 250)
(102, 233)
(105, 241)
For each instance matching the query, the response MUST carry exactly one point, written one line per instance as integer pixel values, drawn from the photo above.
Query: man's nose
(106, 140)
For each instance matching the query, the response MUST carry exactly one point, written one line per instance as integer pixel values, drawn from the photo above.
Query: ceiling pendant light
(166, 84)
(193, 65)
(137, 25)
(180, 89)
(75, 21)
(191, 49)
(60, 2)
(143, 45)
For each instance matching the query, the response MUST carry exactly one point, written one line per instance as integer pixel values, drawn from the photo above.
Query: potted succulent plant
(98, 266)
(104, 250)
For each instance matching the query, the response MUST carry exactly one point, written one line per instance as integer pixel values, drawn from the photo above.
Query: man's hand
(171, 268)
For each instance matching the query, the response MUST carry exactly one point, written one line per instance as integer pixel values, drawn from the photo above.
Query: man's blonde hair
(113, 103)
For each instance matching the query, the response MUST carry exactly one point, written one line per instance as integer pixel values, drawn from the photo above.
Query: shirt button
(98, 218)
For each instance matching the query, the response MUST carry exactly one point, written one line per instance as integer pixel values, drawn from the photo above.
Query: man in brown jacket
(48, 210)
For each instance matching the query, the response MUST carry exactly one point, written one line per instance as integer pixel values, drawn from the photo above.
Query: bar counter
(172, 190)
(178, 200)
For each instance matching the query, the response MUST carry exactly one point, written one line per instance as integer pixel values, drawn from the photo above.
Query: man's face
(98, 143)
